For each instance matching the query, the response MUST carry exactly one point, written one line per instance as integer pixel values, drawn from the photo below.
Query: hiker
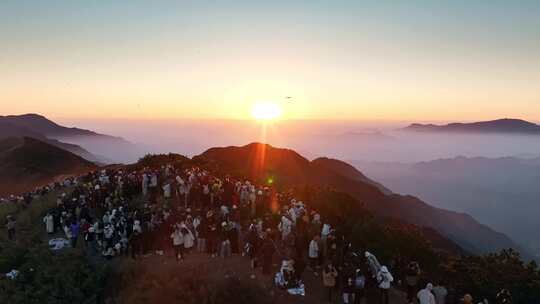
(373, 264)
(285, 227)
(440, 292)
(425, 296)
(10, 226)
(48, 220)
(325, 232)
(178, 243)
(267, 252)
(385, 279)
(167, 192)
(225, 248)
(189, 238)
(90, 239)
(135, 244)
(314, 253)
(287, 274)
(359, 287)
(145, 182)
(348, 291)
(213, 236)
(252, 245)
(201, 231)
(75, 227)
(329, 276)
(411, 279)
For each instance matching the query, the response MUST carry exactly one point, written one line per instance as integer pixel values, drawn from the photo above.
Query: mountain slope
(515, 126)
(287, 167)
(348, 171)
(26, 163)
(113, 149)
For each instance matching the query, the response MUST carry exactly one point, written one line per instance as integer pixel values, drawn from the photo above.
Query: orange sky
(343, 60)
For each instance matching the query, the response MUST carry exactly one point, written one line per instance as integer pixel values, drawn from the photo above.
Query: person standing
(145, 182)
(225, 246)
(385, 279)
(167, 193)
(425, 296)
(48, 220)
(189, 239)
(329, 276)
(411, 278)
(314, 253)
(267, 251)
(212, 238)
(75, 228)
(178, 243)
(440, 292)
(348, 291)
(359, 287)
(202, 233)
(10, 226)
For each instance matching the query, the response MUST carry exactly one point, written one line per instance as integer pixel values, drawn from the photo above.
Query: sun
(266, 110)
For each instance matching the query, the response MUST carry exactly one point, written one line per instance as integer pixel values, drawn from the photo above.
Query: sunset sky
(393, 60)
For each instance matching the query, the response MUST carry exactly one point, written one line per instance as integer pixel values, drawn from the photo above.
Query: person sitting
(287, 270)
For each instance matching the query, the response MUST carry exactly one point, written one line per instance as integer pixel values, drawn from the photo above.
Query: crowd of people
(172, 211)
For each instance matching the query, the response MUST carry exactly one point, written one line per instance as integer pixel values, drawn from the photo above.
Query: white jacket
(177, 237)
(313, 249)
(384, 278)
(189, 239)
(425, 296)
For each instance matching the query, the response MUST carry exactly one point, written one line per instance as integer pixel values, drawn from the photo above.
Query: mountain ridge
(505, 125)
(262, 162)
(91, 145)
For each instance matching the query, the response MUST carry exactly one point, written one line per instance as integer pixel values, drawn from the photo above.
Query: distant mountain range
(286, 167)
(8, 130)
(85, 143)
(369, 136)
(514, 126)
(26, 163)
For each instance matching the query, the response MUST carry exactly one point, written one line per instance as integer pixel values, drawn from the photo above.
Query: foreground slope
(26, 163)
(286, 167)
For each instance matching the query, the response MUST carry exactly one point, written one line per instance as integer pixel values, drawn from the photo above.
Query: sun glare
(266, 111)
